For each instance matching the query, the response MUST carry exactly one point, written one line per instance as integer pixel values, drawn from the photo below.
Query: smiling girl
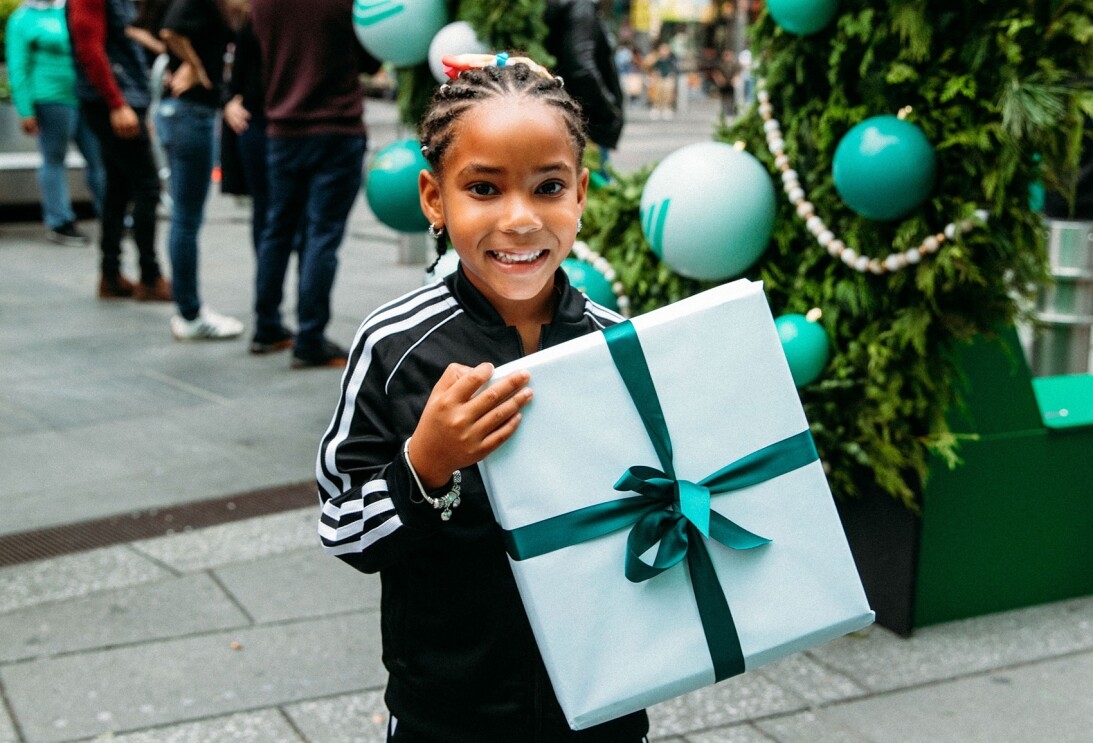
(401, 493)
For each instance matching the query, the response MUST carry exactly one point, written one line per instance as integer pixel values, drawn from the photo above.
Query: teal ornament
(584, 277)
(391, 190)
(884, 168)
(803, 17)
(707, 210)
(398, 31)
(806, 347)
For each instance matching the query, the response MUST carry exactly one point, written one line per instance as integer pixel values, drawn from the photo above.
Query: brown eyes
(550, 188)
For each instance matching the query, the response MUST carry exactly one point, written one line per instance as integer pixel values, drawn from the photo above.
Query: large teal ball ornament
(584, 277)
(806, 347)
(884, 168)
(803, 17)
(391, 190)
(707, 210)
(455, 38)
(398, 31)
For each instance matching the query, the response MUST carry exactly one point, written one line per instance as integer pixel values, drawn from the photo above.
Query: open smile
(516, 257)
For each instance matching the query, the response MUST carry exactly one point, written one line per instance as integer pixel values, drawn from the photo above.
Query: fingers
(462, 422)
(469, 381)
(453, 374)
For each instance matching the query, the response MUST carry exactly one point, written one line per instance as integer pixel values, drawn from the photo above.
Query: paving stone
(1046, 701)
(173, 607)
(265, 726)
(70, 400)
(71, 576)
(732, 700)
(879, 660)
(349, 718)
(304, 583)
(136, 687)
(215, 546)
(731, 734)
(809, 680)
(19, 421)
(809, 727)
(7, 728)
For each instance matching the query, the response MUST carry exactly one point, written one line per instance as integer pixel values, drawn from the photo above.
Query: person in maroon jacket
(314, 106)
(112, 87)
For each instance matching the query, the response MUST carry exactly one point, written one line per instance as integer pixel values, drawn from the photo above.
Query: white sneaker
(207, 326)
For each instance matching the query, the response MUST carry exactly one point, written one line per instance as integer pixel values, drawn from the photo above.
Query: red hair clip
(457, 63)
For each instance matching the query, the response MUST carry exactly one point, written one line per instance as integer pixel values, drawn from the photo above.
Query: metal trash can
(1065, 308)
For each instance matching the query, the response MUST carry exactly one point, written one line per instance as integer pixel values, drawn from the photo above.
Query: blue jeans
(315, 179)
(59, 124)
(187, 131)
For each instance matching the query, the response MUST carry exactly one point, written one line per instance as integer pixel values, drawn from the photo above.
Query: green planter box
(1012, 526)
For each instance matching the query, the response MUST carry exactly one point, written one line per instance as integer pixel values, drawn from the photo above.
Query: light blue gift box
(615, 634)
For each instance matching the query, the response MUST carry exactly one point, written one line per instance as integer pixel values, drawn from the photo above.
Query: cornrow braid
(453, 99)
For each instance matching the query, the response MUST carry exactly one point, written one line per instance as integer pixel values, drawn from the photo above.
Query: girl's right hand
(458, 427)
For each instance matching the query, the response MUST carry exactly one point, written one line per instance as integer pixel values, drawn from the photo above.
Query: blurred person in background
(663, 69)
(316, 140)
(43, 89)
(113, 91)
(197, 33)
(585, 59)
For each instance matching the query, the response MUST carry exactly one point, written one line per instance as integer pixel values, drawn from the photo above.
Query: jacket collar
(570, 307)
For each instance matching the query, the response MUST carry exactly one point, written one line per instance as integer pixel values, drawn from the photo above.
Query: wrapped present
(667, 518)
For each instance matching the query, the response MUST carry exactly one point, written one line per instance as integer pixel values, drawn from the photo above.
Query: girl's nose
(520, 218)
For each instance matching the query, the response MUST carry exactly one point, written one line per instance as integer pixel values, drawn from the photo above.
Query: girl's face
(510, 194)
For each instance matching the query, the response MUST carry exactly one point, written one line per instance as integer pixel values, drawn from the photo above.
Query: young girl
(400, 491)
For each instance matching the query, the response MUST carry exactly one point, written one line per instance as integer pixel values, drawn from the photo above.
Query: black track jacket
(460, 654)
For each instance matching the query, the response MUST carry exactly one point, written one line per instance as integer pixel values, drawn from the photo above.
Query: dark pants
(313, 181)
(131, 178)
(251, 146)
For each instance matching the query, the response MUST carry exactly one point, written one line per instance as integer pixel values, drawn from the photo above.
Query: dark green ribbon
(673, 515)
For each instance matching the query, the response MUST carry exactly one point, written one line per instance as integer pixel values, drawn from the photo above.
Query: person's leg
(188, 131)
(144, 194)
(334, 189)
(94, 173)
(287, 182)
(252, 154)
(56, 124)
(115, 198)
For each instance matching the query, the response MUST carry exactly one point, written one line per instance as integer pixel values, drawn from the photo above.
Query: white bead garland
(835, 247)
(582, 252)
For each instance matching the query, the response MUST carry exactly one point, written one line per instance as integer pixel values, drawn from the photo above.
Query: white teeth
(517, 257)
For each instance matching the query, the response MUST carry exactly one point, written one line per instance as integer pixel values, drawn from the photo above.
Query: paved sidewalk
(230, 632)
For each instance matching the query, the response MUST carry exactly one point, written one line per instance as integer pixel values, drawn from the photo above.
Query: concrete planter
(19, 162)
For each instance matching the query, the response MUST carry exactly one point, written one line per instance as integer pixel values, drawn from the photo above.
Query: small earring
(579, 225)
(435, 232)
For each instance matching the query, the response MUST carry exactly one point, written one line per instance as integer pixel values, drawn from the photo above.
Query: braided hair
(452, 100)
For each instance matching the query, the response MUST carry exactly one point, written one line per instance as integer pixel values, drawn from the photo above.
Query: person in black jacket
(578, 39)
(400, 491)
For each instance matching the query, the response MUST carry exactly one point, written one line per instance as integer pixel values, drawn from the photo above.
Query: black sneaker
(331, 355)
(280, 341)
(68, 235)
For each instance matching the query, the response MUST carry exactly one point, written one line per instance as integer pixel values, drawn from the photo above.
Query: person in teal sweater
(43, 88)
